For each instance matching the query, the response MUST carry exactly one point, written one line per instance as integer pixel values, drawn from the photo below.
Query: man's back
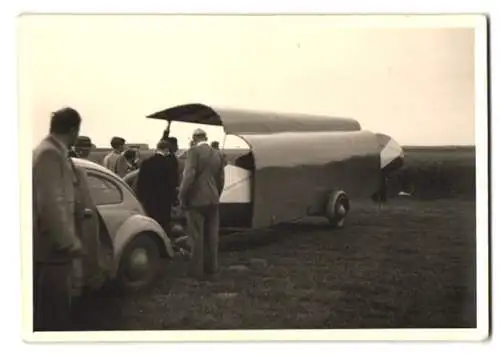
(116, 163)
(53, 199)
(156, 177)
(203, 178)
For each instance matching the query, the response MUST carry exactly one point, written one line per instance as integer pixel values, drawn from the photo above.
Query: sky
(415, 84)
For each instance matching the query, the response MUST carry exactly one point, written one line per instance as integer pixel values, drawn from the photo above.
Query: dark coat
(156, 186)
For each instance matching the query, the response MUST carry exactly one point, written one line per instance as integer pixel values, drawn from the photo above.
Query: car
(126, 246)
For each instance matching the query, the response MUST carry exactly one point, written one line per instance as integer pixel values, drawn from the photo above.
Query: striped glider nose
(391, 153)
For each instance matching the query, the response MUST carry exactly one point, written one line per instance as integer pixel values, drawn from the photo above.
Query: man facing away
(55, 240)
(157, 183)
(82, 148)
(215, 145)
(199, 194)
(115, 161)
(132, 158)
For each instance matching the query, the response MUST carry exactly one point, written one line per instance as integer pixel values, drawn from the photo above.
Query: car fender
(135, 225)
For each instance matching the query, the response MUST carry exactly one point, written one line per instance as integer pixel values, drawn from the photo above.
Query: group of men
(58, 248)
(197, 191)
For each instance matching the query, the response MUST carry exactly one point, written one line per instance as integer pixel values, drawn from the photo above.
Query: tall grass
(437, 172)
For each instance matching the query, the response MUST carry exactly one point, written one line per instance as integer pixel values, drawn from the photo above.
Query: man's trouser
(52, 296)
(162, 215)
(203, 229)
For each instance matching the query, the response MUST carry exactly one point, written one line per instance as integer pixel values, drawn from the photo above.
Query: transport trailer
(293, 165)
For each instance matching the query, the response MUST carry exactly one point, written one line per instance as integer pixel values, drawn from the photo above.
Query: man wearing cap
(115, 161)
(82, 148)
(199, 194)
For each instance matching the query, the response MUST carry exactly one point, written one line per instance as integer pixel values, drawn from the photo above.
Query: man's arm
(121, 166)
(175, 172)
(52, 205)
(105, 161)
(221, 175)
(188, 176)
(142, 182)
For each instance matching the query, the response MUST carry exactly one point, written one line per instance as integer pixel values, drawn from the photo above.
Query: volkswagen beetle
(123, 244)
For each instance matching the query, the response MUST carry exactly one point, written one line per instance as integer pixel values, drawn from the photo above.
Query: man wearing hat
(115, 161)
(82, 148)
(199, 194)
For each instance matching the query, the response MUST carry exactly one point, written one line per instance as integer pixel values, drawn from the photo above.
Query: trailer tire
(337, 208)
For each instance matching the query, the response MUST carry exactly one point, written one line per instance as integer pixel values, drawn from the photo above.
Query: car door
(92, 270)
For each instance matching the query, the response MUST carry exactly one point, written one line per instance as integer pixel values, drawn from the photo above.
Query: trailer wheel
(337, 208)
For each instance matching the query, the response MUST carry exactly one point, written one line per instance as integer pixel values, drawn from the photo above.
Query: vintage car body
(294, 166)
(129, 244)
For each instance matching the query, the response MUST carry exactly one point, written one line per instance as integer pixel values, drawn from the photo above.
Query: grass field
(412, 265)
(436, 172)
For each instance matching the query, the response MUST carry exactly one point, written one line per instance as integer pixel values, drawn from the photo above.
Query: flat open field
(410, 265)
(436, 172)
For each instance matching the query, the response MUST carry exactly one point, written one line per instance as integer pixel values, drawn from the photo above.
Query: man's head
(65, 124)
(118, 144)
(215, 145)
(163, 147)
(199, 135)
(173, 144)
(83, 146)
(130, 155)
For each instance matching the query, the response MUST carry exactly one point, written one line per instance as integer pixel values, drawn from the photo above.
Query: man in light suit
(56, 244)
(199, 194)
(115, 161)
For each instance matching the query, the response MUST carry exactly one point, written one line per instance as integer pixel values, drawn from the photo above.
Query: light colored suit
(117, 163)
(203, 177)
(199, 193)
(55, 240)
(53, 202)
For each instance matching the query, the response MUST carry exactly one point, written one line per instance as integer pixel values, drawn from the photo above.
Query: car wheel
(337, 208)
(139, 263)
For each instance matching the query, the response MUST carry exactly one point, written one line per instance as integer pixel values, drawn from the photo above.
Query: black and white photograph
(282, 177)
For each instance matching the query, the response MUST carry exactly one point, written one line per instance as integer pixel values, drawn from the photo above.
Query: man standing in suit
(199, 194)
(115, 161)
(157, 183)
(55, 240)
